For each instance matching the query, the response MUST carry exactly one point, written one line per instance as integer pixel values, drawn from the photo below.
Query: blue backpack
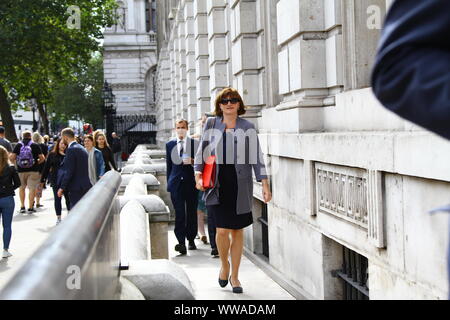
(25, 158)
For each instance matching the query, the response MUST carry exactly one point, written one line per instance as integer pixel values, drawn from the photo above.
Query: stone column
(362, 24)
(202, 57)
(182, 94)
(191, 91)
(302, 54)
(218, 46)
(172, 53)
(163, 98)
(178, 74)
(248, 53)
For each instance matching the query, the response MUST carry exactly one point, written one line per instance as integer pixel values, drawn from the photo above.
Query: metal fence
(354, 275)
(135, 130)
(80, 259)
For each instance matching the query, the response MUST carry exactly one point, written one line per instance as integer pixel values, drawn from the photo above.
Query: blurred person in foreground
(411, 76)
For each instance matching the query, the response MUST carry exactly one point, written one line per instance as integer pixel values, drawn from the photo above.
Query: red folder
(209, 172)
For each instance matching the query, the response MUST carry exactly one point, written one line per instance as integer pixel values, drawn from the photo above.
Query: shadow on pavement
(24, 217)
(4, 265)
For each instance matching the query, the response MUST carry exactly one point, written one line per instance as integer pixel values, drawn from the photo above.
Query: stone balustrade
(147, 160)
(144, 219)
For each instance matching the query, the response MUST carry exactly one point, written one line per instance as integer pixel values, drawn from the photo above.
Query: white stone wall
(303, 68)
(129, 57)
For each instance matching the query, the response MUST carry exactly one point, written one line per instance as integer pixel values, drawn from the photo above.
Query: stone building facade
(352, 183)
(130, 56)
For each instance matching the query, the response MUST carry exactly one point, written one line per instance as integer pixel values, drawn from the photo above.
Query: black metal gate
(134, 130)
(264, 230)
(354, 275)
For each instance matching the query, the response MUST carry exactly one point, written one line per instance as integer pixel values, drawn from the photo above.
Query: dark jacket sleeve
(168, 161)
(69, 167)
(47, 166)
(411, 76)
(15, 178)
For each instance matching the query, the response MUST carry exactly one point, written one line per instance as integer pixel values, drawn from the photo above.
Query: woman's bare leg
(237, 247)
(201, 223)
(223, 246)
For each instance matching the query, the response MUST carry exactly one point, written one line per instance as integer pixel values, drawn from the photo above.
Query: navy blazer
(75, 171)
(176, 171)
(411, 76)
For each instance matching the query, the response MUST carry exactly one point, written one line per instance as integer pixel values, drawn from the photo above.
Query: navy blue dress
(225, 214)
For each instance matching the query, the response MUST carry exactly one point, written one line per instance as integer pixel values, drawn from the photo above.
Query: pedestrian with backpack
(28, 156)
(39, 140)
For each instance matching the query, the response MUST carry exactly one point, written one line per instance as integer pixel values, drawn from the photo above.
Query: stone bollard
(161, 174)
(140, 159)
(159, 280)
(149, 180)
(136, 186)
(135, 240)
(139, 168)
(158, 217)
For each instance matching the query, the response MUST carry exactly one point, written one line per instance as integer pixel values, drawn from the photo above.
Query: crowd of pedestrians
(69, 164)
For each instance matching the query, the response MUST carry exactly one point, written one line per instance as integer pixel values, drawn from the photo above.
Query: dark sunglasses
(233, 101)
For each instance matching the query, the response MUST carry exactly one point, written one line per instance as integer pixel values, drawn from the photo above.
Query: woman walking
(231, 203)
(9, 181)
(102, 144)
(50, 172)
(95, 162)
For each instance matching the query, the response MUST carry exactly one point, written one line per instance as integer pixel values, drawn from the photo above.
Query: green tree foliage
(40, 47)
(80, 97)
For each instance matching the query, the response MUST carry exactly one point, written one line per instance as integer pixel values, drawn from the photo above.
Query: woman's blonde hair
(97, 134)
(4, 158)
(37, 138)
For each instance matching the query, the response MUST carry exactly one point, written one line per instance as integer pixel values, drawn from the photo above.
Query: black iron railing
(354, 275)
(135, 129)
(264, 230)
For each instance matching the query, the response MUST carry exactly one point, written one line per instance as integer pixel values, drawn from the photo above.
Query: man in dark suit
(75, 180)
(411, 76)
(181, 185)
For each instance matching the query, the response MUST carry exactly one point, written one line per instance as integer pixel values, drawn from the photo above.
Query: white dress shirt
(181, 143)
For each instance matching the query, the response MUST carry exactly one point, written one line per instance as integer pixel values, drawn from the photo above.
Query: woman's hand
(199, 182)
(267, 194)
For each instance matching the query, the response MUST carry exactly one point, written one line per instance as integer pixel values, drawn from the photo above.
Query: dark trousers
(185, 201)
(212, 230)
(7, 205)
(75, 196)
(58, 201)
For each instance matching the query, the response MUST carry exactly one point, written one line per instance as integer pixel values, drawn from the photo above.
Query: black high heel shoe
(223, 283)
(236, 289)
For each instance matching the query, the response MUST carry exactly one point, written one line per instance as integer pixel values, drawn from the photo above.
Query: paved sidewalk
(203, 271)
(29, 231)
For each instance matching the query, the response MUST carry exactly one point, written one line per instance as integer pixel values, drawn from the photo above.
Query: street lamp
(53, 129)
(33, 108)
(109, 109)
